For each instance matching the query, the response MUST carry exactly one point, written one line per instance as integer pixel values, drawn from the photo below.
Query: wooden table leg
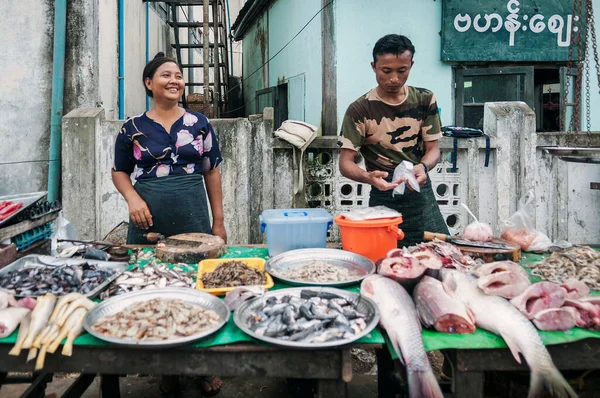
(468, 384)
(327, 388)
(79, 386)
(109, 385)
(385, 369)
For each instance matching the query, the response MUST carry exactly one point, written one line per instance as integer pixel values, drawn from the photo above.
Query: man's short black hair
(392, 44)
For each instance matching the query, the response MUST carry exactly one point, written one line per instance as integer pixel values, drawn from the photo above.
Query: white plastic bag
(477, 231)
(371, 213)
(520, 227)
(61, 229)
(405, 170)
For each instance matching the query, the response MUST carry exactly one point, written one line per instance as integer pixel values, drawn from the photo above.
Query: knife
(465, 242)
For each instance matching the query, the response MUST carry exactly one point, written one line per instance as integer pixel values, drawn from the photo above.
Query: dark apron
(420, 211)
(177, 203)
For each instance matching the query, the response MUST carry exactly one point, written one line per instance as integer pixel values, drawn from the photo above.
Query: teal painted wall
(255, 53)
(360, 24)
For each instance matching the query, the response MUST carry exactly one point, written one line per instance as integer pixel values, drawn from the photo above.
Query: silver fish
(497, 315)
(399, 319)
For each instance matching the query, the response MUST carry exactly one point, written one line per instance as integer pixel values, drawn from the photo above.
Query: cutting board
(513, 253)
(190, 248)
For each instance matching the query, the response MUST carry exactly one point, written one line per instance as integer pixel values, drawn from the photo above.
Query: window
(162, 9)
(540, 87)
(275, 97)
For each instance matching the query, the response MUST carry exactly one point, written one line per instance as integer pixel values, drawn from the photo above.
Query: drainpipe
(230, 38)
(122, 59)
(147, 46)
(58, 84)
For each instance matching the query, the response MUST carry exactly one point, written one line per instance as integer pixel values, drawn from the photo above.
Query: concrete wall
(256, 50)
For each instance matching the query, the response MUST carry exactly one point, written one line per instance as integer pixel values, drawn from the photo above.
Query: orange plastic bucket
(370, 238)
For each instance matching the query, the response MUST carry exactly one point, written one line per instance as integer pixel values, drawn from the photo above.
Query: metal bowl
(189, 296)
(366, 306)
(353, 262)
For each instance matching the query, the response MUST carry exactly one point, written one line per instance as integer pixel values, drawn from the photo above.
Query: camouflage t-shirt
(386, 134)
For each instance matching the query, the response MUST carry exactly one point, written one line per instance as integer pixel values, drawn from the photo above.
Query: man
(391, 123)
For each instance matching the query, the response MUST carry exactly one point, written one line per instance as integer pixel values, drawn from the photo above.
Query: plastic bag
(477, 231)
(520, 227)
(371, 213)
(405, 170)
(61, 229)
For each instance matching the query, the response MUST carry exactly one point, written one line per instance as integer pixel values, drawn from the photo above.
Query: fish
(39, 318)
(398, 317)
(80, 302)
(498, 316)
(7, 300)
(318, 271)
(231, 274)
(588, 314)
(498, 266)
(10, 318)
(406, 269)
(426, 256)
(555, 319)
(575, 289)
(23, 331)
(75, 320)
(437, 309)
(62, 302)
(539, 296)
(504, 284)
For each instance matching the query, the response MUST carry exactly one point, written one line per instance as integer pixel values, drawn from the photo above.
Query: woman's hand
(139, 212)
(218, 229)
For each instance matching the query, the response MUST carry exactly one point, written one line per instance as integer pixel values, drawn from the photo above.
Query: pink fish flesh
(497, 267)
(427, 257)
(405, 269)
(539, 296)
(436, 308)
(399, 319)
(10, 318)
(555, 319)
(575, 289)
(506, 284)
(588, 315)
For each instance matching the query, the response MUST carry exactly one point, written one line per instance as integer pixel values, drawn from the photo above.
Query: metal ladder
(213, 45)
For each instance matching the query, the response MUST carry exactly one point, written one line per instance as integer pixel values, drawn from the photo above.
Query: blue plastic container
(290, 229)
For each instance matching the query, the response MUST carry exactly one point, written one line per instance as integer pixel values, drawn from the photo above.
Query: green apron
(177, 203)
(420, 211)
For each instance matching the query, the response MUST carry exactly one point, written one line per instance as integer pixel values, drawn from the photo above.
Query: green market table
(230, 352)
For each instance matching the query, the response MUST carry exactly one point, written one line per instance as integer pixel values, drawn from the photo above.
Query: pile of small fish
(317, 271)
(580, 262)
(52, 320)
(152, 276)
(232, 274)
(37, 280)
(313, 317)
(157, 319)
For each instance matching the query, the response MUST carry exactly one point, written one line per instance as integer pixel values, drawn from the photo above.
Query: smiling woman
(171, 151)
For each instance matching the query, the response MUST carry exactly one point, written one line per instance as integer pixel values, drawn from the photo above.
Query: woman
(172, 151)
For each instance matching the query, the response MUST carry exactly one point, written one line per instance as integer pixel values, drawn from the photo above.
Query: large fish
(497, 315)
(399, 319)
(438, 309)
(402, 266)
(506, 284)
(538, 297)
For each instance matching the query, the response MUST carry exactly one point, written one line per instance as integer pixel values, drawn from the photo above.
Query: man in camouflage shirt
(391, 123)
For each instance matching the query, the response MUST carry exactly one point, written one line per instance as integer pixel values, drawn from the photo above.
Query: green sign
(507, 30)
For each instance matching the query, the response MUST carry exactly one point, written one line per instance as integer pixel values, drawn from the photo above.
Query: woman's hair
(152, 66)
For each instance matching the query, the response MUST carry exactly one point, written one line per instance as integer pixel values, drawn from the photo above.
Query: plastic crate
(290, 229)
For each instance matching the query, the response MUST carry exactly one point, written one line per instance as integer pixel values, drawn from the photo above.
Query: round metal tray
(361, 265)
(366, 306)
(189, 296)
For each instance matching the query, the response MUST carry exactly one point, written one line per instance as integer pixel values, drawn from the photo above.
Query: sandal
(209, 380)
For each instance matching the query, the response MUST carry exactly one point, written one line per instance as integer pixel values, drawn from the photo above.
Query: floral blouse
(144, 146)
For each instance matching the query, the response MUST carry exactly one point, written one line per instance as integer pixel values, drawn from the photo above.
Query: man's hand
(377, 179)
(420, 174)
(218, 229)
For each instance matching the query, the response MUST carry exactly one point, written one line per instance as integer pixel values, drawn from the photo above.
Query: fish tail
(423, 384)
(549, 382)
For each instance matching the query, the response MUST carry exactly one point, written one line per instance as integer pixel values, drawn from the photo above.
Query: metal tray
(27, 199)
(190, 296)
(575, 154)
(366, 306)
(361, 265)
(36, 260)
